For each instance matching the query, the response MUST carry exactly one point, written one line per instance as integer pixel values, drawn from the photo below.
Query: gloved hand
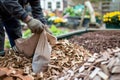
(35, 25)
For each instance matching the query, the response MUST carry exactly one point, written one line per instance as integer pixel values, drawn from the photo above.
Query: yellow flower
(109, 20)
(111, 15)
(119, 16)
(51, 14)
(59, 20)
(104, 20)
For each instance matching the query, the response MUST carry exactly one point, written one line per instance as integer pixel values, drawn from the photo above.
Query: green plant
(27, 33)
(7, 44)
(57, 31)
(70, 11)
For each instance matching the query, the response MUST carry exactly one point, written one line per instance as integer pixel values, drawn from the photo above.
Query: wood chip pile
(71, 61)
(98, 41)
(65, 56)
(103, 66)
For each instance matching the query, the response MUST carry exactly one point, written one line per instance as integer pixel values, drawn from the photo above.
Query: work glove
(35, 25)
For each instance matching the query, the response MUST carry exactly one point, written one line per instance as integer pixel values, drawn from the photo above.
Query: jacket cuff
(24, 16)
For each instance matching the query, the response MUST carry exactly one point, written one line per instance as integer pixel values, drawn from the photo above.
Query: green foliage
(27, 33)
(57, 31)
(76, 11)
(115, 19)
(7, 44)
(69, 11)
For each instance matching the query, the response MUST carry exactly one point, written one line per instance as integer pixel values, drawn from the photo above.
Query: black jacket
(15, 8)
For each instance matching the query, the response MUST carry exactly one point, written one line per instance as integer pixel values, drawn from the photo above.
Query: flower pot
(85, 22)
(98, 21)
(112, 26)
(73, 22)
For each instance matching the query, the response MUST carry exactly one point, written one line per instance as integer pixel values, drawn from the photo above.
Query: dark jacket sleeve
(37, 11)
(14, 8)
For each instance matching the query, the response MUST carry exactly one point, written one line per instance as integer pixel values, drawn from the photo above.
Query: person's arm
(37, 11)
(14, 8)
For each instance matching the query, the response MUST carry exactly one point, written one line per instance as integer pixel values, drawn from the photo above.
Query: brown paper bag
(42, 53)
(39, 45)
(27, 46)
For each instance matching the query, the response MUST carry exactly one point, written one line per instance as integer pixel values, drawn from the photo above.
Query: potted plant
(112, 19)
(98, 17)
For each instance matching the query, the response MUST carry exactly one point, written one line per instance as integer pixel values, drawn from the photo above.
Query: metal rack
(107, 6)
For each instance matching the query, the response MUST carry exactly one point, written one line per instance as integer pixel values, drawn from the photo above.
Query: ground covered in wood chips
(71, 60)
(65, 56)
(98, 41)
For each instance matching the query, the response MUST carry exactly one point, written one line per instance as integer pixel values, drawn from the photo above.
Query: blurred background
(64, 16)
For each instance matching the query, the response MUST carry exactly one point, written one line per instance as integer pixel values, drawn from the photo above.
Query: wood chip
(111, 62)
(105, 62)
(116, 69)
(8, 78)
(118, 54)
(105, 69)
(94, 73)
(103, 75)
(87, 64)
(97, 78)
(116, 50)
(2, 73)
(100, 60)
(81, 69)
(117, 63)
(115, 77)
(92, 59)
